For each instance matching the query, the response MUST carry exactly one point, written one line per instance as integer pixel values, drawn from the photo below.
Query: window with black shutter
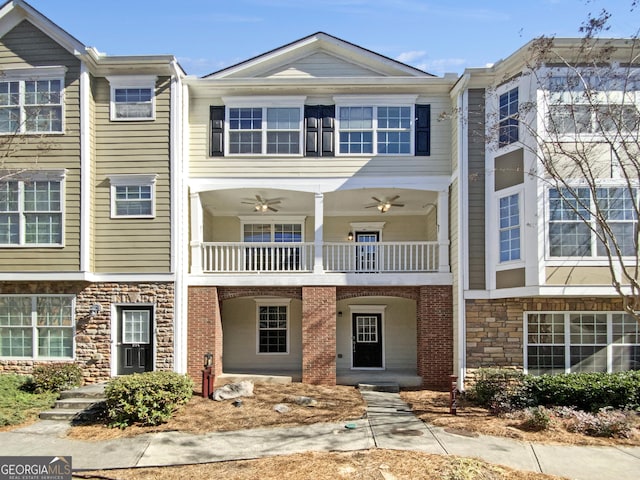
(319, 130)
(216, 120)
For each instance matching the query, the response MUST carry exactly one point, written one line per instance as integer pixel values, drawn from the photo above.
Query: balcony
(350, 257)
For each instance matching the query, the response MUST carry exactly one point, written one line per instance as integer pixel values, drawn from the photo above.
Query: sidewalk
(389, 424)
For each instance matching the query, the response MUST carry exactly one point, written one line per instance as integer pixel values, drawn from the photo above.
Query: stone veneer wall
(495, 328)
(93, 334)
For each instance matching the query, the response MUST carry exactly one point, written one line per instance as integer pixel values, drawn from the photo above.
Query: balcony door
(367, 255)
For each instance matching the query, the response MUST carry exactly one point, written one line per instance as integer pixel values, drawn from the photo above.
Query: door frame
(369, 309)
(115, 331)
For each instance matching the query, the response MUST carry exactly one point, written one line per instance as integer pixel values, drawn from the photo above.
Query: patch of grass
(17, 403)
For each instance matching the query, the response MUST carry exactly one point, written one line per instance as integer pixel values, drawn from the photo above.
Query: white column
(196, 233)
(443, 231)
(318, 237)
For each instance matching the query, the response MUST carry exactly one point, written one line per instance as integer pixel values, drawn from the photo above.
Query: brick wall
(204, 331)
(435, 336)
(319, 335)
(495, 328)
(93, 333)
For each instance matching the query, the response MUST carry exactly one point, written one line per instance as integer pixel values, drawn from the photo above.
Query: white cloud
(441, 66)
(407, 57)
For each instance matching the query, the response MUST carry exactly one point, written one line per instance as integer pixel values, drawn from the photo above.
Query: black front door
(367, 340)
(135, 340)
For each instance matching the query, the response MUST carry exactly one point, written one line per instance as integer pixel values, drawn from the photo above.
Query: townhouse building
(318, 212)
(88, 256)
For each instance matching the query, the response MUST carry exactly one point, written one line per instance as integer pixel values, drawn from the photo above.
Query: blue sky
(436, 36)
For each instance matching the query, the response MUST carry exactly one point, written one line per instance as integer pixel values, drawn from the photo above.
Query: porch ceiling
(341, 203)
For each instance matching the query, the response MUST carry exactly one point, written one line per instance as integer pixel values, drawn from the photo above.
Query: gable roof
(288, 60)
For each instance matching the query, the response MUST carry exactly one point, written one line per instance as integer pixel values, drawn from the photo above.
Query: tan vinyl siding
(476, 205)
(509, 169)
(321, 65)
(578, 276)
(128, 148)
(510, 278)
(23, 47)
(203, 166)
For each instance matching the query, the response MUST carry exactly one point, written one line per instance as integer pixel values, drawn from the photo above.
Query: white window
(509, 230)
(31, 100)
(31, 209)
(273, 327)
(508, 118)
(133, 196)
(132, 97)
(375, 130)
(573, 226)
(38, 327)
(564, 342)
(270, 254)
(265, 130)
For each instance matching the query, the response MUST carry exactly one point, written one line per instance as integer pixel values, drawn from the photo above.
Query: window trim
(34, 328)
(43, 176)
(23, 75)
(276, 302)
(117, 82)
(594, 257)
(567, 336)
(132, 180)
(264, 103)
(508, 118)
(509, 192)
(347, 101)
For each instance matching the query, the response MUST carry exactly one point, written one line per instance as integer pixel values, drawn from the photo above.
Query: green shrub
(18, 403)
(148, 398)
(499, 389)
(586, 391)
(55, 377)
(536, 419)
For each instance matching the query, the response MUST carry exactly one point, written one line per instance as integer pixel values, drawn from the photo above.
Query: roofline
(307, 39)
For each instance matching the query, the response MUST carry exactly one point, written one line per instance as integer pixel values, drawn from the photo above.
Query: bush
(18, 403)
(605, 423)
(55, 377)
(148, 398)
(500, 390)
(536, 419)
(586, 391)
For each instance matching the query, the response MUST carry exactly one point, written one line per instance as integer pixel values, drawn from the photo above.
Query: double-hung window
(508, 118)
(574, 230)
(375, 130)
(132, 97)
(563, 342)
(31, 210)
(133, 196)
(273, 327)
(39, 326)
(509, 230)
(31, 100)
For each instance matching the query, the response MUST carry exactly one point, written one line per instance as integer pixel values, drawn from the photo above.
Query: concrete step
(86, 391)
(391, 387)
(77, 404)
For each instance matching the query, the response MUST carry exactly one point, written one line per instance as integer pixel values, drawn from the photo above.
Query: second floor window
(508, 118)
(573, 225)
(31, 106)
(132, 104)
(375, 130)
(133, 196)
(31, 212)
(273, 131)
(509, 228)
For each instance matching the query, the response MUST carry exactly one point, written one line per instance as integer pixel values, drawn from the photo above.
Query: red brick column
(435, 336)
(204, 332)
(319, 335)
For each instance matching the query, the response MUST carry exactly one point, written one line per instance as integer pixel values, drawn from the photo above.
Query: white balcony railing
(360, 257)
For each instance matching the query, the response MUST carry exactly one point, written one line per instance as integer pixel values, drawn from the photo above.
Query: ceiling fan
(383, 205)
(263, 205)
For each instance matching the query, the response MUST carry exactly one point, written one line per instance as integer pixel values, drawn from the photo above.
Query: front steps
(390, 387)
(77, 404)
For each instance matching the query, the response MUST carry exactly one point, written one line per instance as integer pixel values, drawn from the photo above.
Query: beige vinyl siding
(132, 245)
(578, 276)
(321, 64)
(203, 166)
(23, 47)
(92, 180)
(510, 278)
(509, 169)
(476, 207)
(399, 331)
(240, 327)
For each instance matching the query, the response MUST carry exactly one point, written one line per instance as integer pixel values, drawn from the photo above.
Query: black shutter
(216, 119)
(319, 132)
(423, 130)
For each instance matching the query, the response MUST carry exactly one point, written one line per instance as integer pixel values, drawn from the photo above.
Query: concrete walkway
(389, 424)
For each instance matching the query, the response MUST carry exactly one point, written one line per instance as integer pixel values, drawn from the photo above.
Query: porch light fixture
(95, 309)
(384, 207)
(350, 236)
(261, 207)
(208, 360)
